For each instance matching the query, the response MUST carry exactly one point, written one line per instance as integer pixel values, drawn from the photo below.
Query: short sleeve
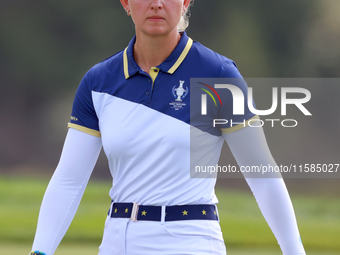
(83, 116)
(234, 109)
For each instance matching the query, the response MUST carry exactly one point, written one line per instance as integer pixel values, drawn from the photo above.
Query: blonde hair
(184, 21)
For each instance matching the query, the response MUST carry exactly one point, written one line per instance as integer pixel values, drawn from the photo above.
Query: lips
(155, 17)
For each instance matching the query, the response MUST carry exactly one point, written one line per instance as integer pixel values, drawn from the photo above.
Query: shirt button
(147, 93)
(149, 80)
(155, 70)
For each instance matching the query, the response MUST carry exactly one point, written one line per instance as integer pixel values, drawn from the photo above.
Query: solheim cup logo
(180, 93)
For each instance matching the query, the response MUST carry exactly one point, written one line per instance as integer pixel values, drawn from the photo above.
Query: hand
(37, 253)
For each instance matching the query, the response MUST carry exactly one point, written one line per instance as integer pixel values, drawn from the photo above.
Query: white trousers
(187, 237)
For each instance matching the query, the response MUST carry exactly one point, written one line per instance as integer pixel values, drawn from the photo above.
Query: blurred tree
(265, 38)
(46, 47)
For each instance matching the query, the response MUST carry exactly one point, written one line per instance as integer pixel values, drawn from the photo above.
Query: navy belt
(137, 212)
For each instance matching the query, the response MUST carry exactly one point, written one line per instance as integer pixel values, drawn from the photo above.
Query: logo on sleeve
(179, 92)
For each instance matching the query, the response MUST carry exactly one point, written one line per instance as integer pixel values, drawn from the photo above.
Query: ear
(125, 3)
(186, 4)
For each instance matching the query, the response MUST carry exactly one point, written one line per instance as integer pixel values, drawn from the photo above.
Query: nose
(156, 4)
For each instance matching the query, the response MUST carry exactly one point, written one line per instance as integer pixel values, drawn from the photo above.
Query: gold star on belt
(185, 212)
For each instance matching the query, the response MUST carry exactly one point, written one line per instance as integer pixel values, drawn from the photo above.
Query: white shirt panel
(149, 155)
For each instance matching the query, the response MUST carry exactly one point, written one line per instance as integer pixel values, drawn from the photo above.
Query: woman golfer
(135, 105)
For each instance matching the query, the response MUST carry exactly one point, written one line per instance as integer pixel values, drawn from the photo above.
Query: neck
(151, 51)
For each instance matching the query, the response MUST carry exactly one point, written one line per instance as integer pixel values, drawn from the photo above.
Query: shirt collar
(169, 65)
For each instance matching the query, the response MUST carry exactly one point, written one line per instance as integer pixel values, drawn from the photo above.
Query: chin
(160, 32)
(157, 30)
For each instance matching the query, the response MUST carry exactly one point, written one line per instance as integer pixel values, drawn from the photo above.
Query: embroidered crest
(179, 92)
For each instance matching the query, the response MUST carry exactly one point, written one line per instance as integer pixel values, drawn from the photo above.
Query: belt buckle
(134, 212)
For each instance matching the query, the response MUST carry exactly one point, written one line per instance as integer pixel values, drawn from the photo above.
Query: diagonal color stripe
(209, 95)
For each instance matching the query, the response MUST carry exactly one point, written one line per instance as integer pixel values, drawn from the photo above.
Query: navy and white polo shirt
(143, 119)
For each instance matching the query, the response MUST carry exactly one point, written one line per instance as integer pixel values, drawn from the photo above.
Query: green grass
(244, 228)
(243, 224)
(19, 207)
(75, 249)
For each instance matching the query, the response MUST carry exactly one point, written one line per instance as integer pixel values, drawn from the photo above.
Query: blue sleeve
(83, 112)
(230, 75)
